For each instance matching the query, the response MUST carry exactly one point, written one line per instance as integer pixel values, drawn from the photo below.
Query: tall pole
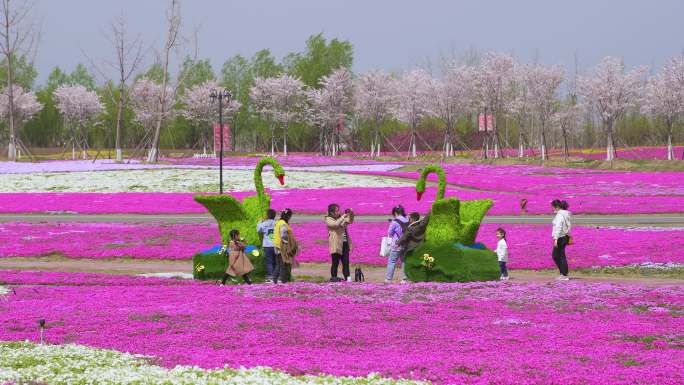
(220, 98)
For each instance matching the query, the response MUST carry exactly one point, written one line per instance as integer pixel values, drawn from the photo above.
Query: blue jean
(392, 262)
(504, 270)
(269, 260)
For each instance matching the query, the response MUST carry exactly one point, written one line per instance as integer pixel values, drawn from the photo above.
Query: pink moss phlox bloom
(477, 333)
(529, 244)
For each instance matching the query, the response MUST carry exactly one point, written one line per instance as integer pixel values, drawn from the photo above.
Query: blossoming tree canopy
(78, 106)
(26, 105)
(611, 91)
(664, 97)
(413, 100)
(330, 105)
(279, 100)
(541, 84)
(199, 108)
(373, 99)
(145, 95)
(494, 81)
(451, 99)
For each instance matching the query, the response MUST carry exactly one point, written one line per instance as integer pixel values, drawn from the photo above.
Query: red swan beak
(419, 194)
(281, 178)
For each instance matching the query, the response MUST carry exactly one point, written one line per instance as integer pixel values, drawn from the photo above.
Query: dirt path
(316, 272)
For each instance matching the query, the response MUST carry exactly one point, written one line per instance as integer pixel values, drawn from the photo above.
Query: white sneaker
(564, 278)
(505, 278)
(559, 278)
(404, 281)
(388, 281)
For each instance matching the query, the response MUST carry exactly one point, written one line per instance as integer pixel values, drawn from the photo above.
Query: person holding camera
(339, 242)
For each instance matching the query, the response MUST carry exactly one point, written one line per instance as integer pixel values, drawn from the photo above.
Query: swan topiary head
(277, 170)
(420, 185)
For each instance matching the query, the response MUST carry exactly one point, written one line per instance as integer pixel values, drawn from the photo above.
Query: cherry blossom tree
(146, 97)
(78, 107)
(18, 36)
(568, 116)
(25, 106)
(374, 98)
(664, 97)
(451, 99)
(413, 96)
(279, 100)
(330, 104)
(520, 108)
(198, 108)
(494, 86)
(541, 85)
(611, 92)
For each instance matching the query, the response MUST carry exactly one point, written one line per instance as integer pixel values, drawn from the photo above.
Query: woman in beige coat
(339, 242)
(238, 263)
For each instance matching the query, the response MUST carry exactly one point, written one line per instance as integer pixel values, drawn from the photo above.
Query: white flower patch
(182, 180)
(24, 363)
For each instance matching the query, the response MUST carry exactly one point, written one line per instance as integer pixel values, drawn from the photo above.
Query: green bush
(452, 264)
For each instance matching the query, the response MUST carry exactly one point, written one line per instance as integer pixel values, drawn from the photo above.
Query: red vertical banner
(489, 125)
(217, 137)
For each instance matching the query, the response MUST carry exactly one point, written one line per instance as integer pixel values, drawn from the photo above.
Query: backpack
(358, 275)
(403, 225)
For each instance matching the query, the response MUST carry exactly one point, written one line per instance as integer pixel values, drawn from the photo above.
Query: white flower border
(25, 362)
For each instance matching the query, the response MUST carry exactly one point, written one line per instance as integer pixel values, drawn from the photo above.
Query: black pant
(245, 277)
(558, 255)
(282, 271)
(504, 270)
(344, 257)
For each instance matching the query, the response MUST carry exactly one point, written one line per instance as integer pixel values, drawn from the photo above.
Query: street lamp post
(220, 95)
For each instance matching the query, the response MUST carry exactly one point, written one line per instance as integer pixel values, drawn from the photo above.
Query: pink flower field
(364, 201)
(529, 245)
(493, 333)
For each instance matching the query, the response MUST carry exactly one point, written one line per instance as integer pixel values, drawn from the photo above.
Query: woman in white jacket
(560, 234)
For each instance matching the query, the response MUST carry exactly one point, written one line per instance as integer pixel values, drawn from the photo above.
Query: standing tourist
(502, 253)
(339, 242)
(238, 263)
(397, 226)
(286, 247)
(266, 229)
(561, 236)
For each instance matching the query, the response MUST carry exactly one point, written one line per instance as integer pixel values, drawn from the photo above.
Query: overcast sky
(388, 34)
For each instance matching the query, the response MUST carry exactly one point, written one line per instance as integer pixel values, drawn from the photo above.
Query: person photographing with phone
(339, 242)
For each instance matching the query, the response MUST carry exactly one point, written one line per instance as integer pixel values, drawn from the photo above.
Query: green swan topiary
(244, 216)
(451, 225)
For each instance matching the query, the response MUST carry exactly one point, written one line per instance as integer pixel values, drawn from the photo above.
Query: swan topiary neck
(420, 185)
(277, 169)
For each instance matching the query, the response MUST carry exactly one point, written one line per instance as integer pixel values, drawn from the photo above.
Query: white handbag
(385, 246)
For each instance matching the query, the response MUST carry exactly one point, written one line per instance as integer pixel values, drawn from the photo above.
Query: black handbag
(358, 275)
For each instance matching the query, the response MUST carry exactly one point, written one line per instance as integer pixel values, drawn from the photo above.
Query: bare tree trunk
(12, 147)
(172, 35)
(566, 150)
(521, 146)
(119, 118)
(542, 141)
(610, 145)
(670, 150)
(285, 140)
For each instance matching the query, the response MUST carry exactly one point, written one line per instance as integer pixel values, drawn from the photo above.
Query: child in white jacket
(502, 253)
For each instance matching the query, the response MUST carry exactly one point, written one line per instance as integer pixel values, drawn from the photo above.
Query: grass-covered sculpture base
(212, 266)
(452, 264)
